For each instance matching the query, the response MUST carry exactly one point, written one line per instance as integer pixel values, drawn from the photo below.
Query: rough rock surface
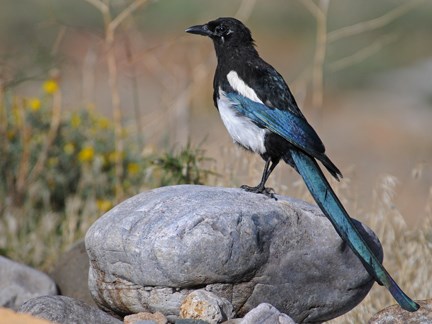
(266, 314)
(204, 305)
(148, 253)
(71, 273)
(396, 315)
(66, 310)
(156, 318)
(19, 283)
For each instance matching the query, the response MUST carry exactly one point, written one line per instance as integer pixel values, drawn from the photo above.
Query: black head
(224, 32)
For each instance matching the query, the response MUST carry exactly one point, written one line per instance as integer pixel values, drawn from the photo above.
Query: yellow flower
(69, 148)
(75, 120)
(53, 162)
(34, 104)
(113, 156)
(103, 205)
(103, 123)
(86, 154)
(10, 134)
(133, 168)
(50, 86)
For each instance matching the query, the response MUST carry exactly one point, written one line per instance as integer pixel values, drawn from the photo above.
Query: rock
(266, 314)
(396, 315)
(148, 253)
(19, 283)
(156, 318)
(66, 310)
(190, 321)
(233, 321)
(204, 305)
(8, 316)
(71, 273)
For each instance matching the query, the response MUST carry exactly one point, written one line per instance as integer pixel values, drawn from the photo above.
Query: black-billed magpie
(261, 115)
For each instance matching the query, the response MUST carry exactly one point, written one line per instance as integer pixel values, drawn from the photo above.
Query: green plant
(184, 166)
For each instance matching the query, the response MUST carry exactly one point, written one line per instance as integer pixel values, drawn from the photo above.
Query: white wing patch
(241, 87)
(242, 130)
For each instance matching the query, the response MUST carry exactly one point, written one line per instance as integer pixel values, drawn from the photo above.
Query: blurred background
(103, 99)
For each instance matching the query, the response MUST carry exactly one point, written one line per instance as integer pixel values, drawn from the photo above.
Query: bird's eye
(220, 29)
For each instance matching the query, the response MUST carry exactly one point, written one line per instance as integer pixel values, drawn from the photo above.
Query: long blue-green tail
(335, 212)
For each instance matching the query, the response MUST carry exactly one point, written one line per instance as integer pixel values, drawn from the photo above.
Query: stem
(319, 11)
(320, 53)
(54, 126)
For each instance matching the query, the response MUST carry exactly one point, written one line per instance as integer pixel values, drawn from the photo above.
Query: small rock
(71, 273)
(190, 321)
(266, 314)
(204, 305)
(8, 316)
(19, 283)
(396, 315)
(66, 310)
(156, 318)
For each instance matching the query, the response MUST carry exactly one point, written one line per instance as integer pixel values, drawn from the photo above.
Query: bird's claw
(269, 192)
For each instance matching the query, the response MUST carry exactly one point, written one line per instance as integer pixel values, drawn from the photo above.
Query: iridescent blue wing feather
(292, 127)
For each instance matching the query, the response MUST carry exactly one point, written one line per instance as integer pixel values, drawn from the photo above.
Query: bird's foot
(269, 192)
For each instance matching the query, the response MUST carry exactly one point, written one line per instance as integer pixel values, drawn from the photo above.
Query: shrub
(58, 173)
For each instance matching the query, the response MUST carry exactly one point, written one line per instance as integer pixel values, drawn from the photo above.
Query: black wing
(270, 87)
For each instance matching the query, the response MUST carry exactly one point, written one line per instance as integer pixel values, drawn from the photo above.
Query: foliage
(183, 167)
(58, 173)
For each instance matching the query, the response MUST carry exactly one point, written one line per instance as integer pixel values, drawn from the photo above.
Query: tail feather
(331, 167)
(335, 212)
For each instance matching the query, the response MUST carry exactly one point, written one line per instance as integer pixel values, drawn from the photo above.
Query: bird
(261, 115)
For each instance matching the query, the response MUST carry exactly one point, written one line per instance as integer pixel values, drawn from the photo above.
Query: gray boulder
(71, 273)
(148, 253)
(19, 283)
(66, 310)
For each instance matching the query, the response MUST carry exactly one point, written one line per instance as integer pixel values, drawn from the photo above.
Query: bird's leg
(260, 188)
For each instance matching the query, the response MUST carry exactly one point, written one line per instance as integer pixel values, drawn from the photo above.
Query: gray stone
(233, 321)
(148, 253)
(396, 315)
(66, 310)
(19, 283)
(71, 273)
(266, 314)
(205, 305)
(190, 321)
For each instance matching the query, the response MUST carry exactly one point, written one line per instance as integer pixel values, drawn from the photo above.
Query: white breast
(242, 130)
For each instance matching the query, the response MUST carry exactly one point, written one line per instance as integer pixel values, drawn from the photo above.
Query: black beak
(199, 30)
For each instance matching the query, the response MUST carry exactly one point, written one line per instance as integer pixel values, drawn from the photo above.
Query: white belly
(242, 130)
